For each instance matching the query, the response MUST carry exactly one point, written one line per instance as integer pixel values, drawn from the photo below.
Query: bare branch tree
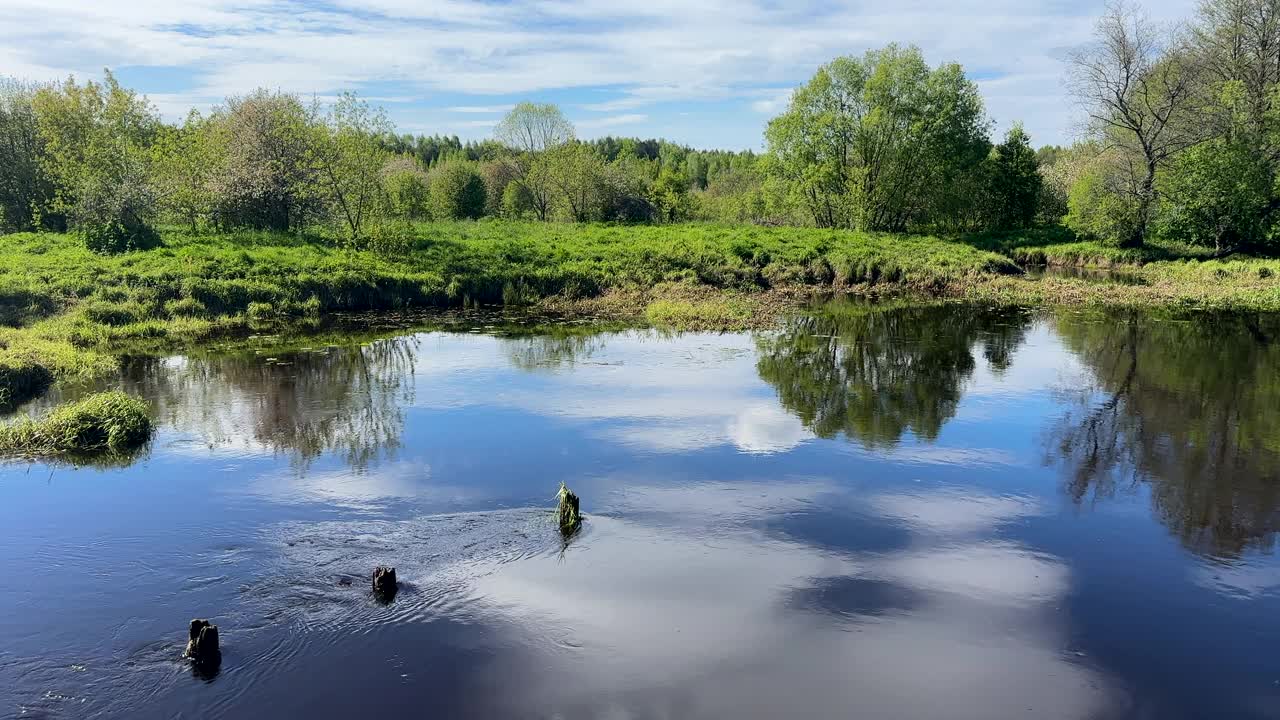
(1136, 91)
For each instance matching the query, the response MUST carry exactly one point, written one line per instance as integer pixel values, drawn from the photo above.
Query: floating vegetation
(104, 423)
(567, 514)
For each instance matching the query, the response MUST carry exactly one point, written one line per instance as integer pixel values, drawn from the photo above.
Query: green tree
(577, 172)
(97, 141)
(1137, 93)
(457, 191)
(26, 191)
(532, 131)
(871, 141)
(351, 159)
(1218, 194)
(1015, 182)
(186, 161)
(271, 177)
(670, 196)
(406, 188)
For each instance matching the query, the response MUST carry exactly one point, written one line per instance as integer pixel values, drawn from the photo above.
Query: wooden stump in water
(202, 644)
(384, 582)
(567, 514)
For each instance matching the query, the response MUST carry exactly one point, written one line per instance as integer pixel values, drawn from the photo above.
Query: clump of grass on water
(110, 422)
(567, 510)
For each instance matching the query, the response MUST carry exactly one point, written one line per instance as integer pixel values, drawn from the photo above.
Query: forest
(1180, 143)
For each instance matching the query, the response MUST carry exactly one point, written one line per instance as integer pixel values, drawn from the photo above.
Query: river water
(885, 511)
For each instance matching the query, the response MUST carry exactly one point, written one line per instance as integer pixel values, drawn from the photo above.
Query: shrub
(112, 237)
(457, 192)
(110, 422)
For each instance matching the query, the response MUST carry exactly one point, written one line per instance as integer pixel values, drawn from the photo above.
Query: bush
(110, 422)
(457, 192)
(115, 237)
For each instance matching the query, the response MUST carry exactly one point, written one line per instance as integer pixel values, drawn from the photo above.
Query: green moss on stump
(567, 514)
(104, 423)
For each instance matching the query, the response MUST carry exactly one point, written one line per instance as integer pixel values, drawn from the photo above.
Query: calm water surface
(900, 512)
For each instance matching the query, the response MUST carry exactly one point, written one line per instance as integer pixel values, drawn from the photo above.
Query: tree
(457, 191)
(186, 161)
(1015, 182)
(577, 173)
(670, 196)
(1218, 194)
(1136, 92)
(97, 141)
(406, 188)
(26, 191)
(534, 130)
(871, 141)
(351, 159)
(271, 179)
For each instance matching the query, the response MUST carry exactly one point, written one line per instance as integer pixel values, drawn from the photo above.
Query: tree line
(1182, 141)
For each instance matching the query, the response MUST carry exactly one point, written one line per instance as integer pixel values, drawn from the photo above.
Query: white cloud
(644, 52)
(481, 109)
(613, 121)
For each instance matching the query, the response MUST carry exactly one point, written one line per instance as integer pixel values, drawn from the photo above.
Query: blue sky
(708, 73)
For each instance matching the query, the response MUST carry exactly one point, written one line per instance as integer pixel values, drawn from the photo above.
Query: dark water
(908, 512)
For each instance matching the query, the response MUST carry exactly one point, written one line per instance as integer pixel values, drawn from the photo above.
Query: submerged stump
(384, 582)
(202, 645)
(567, 514)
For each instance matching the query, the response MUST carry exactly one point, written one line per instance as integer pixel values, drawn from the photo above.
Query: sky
(707, 73)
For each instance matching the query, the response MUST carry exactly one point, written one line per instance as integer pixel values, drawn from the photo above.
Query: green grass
(73, 312)
(111, 423)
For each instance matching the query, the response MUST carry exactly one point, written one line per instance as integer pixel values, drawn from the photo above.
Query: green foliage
(105, 423)
(871, 142)
(670, 197)
(1015, 182)
(1218, 194)
(350, 158)
(406, 188)
(26, 190)
(457, 191)
(271, 177)
(97, 139)
(1100, 207)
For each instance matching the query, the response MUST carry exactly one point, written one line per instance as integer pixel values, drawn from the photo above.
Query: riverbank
(67, 312)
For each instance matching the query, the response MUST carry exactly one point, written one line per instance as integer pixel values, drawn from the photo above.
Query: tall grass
(104, 423)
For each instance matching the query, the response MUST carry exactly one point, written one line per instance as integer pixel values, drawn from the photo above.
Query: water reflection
(876, 373)
(1186, 405)
(348, 401)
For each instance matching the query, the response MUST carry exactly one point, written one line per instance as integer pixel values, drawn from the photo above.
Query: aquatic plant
(103, 423)
(567, 515)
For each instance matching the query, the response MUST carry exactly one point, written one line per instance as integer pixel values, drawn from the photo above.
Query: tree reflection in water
(874, 373)
(1190, 407)
(346, 400)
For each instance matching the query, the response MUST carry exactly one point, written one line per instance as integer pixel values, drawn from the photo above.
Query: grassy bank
(65, 311)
